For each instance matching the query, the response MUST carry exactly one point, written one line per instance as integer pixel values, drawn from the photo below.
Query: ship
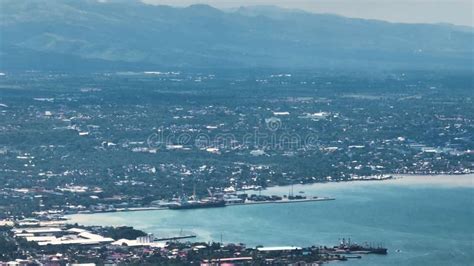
(353, 248)
(211, 202)
(183, 205)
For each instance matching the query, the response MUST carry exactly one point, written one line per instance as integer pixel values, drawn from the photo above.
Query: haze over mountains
(123, 35)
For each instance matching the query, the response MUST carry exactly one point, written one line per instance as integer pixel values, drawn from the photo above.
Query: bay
(422, 220)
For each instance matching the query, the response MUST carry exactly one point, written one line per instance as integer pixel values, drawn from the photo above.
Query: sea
(422, 220)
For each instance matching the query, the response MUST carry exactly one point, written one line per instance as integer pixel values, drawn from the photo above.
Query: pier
(283, 201)
(175, 238)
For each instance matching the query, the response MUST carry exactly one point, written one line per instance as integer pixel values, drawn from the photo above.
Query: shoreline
(447, 181)
(420, 181)
(228, 205)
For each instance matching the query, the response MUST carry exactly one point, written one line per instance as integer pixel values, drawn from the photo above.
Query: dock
(283, 201)
(247, 202)
(175, 238)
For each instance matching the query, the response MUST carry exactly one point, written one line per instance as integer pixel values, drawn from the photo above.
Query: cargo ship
(183, 205)
(352, 248)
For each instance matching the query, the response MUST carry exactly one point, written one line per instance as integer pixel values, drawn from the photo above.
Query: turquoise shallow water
(429, 224)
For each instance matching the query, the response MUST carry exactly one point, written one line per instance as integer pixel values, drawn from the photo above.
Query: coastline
(454, 180)
(446, 181)
(441, 181)
(229, 205)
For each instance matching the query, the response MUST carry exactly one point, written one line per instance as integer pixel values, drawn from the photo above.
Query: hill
(75, 35)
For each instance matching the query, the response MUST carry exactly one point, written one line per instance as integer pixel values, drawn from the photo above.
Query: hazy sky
(458, 12)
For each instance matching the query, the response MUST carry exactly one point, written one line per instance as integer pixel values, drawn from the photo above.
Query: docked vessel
(353, 248)
(197, 204)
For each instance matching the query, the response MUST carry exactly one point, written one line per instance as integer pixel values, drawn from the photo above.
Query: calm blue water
(430, 225)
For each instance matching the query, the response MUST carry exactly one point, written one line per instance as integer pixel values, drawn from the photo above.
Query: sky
(459, 12)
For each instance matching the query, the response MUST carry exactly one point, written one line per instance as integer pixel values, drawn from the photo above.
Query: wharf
(175, 238)
(284, 201)
(248, 202)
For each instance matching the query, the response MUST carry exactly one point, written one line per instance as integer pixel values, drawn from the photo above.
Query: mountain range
(94, 35)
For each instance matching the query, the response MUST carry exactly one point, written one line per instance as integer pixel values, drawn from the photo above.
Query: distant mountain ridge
(78, 34)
